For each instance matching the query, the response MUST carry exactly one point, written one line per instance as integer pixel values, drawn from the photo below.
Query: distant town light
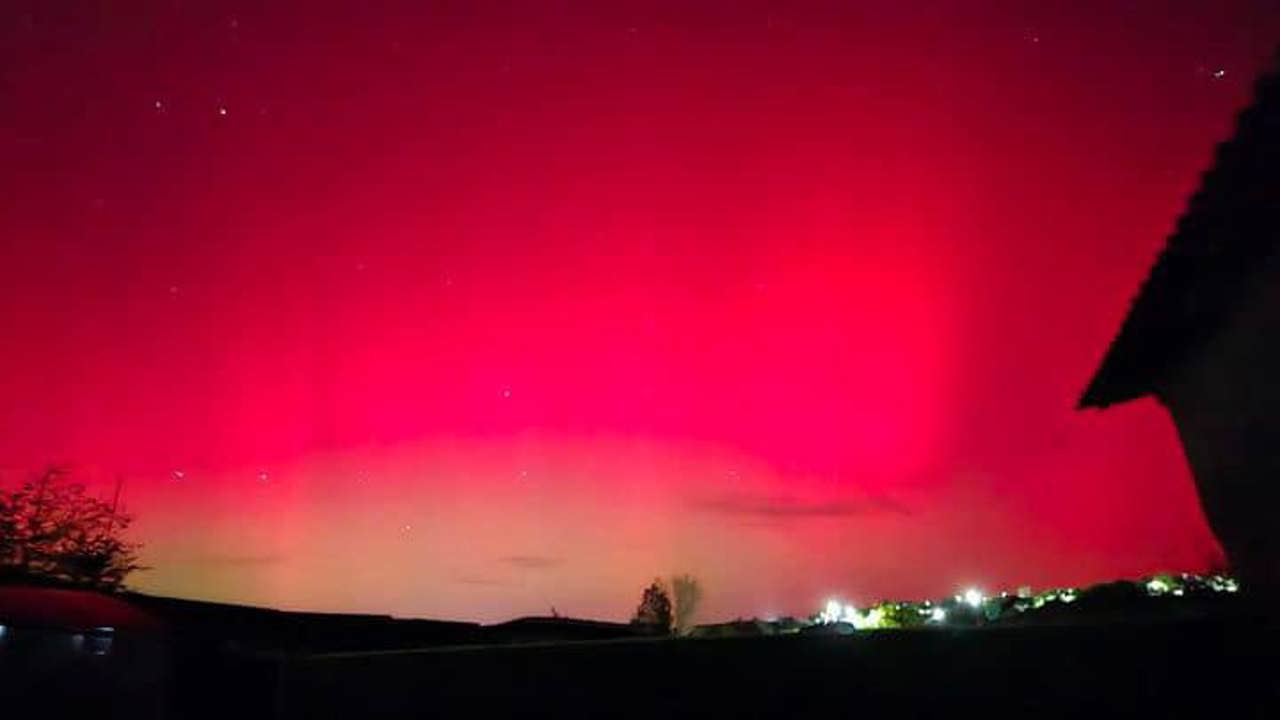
(893, 614)
(831, 613)
(838, 612)
(872, 619)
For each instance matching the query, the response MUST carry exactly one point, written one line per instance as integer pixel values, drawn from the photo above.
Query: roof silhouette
(72, 609)
(1230, 228)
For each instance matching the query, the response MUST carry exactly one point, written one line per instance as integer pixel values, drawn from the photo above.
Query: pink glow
(521, 310)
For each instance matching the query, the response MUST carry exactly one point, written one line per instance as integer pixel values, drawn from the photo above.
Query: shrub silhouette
(50, 530)
(654, 611)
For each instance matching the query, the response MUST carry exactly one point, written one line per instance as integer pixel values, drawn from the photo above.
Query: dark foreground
(1189, 670)
(1180, 669)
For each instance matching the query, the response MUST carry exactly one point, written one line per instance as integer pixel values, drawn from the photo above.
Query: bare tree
(688, 594)
(51, 530)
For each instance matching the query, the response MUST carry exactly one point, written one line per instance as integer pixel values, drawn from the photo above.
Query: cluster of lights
(974, 604)
(1065, 596)
(1179, 585)
(838, 612)
(885, 615)
(1223, 583)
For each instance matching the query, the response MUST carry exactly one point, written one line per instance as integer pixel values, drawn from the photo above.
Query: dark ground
(1197, 669)
(1113, 653)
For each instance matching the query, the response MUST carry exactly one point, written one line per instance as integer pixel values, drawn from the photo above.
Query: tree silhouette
(655, 608)
(688, 593)
(51, 530)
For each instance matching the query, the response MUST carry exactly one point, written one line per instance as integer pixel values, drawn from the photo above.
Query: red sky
(472, 309)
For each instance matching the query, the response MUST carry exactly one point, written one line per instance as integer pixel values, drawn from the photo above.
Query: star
(1219, 74)
(506, 392)
(222, 110)
(263, 476)
(173, 289)
(159, 105)
(178, 475)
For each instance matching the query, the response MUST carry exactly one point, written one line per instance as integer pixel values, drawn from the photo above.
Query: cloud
(787, 508)
(531, 562)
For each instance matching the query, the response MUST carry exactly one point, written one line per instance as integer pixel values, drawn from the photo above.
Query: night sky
(471, 309)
